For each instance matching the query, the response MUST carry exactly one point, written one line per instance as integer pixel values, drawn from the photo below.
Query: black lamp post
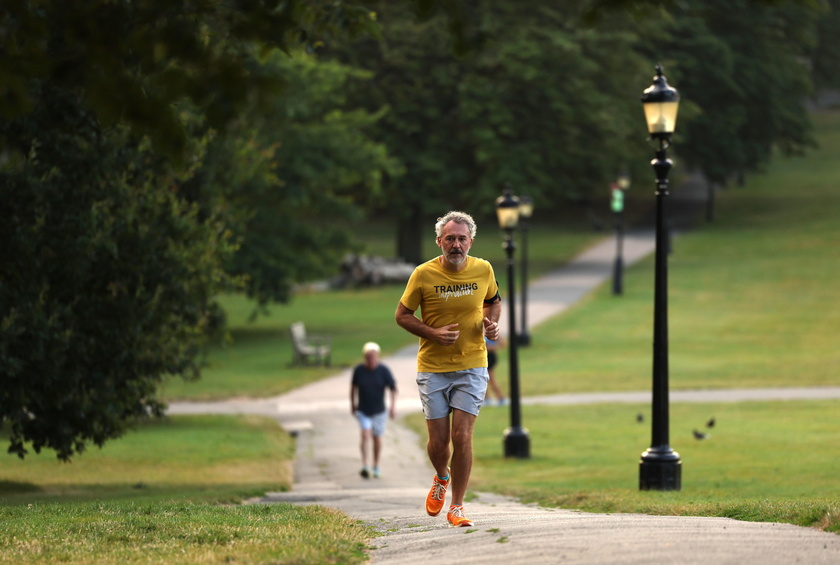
(617, 192)
(622, 184)
(516, 440)
(660, 467)
(526, 208)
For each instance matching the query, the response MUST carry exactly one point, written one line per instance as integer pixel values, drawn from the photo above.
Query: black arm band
(495, 299)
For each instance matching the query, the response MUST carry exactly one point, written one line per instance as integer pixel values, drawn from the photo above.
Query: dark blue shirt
(371, 384)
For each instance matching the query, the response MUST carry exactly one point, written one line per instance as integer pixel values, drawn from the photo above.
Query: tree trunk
(710, 201)
(410, 238)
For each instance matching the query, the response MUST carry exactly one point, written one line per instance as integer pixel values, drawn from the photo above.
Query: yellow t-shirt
(446, 297)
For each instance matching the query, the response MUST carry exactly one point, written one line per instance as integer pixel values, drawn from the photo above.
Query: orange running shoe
(456, 517)
(437, 495)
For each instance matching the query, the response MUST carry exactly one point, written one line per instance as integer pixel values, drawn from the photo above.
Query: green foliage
(542, 104)
(551, 106)
(521, 101)
(135, 59)
(107, 281)
(113, 264)
(825, 54)
(290, 177)
(740, 66)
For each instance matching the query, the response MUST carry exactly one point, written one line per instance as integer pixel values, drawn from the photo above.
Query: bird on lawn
(640, 418)
(698, 435)
(711, 423)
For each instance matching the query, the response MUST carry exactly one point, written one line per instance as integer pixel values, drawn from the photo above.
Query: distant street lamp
(526, 209)
(617, 189)
(660, 467)
(516, 440)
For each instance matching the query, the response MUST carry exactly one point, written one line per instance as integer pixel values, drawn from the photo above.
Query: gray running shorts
(376, 422)
(441, 392)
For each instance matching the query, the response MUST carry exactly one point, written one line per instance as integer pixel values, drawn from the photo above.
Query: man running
(459, 301)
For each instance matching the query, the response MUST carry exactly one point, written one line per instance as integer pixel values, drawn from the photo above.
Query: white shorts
(375, 422)
(441, 392)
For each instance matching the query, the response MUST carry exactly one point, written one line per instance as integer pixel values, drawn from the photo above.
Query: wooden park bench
(314, 348)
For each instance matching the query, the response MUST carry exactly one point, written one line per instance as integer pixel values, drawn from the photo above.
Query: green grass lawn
(116, 533)
(207, 458)
(762, 461)
(168, 492)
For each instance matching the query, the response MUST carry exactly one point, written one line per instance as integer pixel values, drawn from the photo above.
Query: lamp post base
(660, 469)
(517, 443)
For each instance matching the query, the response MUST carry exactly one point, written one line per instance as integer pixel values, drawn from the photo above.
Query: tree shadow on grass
(16, 487)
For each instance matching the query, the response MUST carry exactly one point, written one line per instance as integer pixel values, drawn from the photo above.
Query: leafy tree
(106, 279)
(543, 103)
(825, 55)
(109, 269)
(293, 175)
(741, 66)
(134, 59)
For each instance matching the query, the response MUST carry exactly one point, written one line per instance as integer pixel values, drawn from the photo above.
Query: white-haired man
(459, 302)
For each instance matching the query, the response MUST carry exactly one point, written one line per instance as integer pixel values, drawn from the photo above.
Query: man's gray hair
(458, 218)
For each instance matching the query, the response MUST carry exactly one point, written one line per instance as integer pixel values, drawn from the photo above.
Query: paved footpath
(327, 471)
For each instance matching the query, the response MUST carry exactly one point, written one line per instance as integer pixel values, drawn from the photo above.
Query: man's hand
(491, 329)
(446, 335)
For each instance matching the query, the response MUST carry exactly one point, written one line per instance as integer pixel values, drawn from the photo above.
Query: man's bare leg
(462, 454)
(438, 444)
(377, 450)
(364, 440)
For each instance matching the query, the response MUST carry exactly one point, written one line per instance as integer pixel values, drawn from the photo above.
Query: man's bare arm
(393, 409)
(492, 313)
(446, 335)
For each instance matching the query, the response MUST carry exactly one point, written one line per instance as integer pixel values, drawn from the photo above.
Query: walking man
(367, 404)
(459, 302)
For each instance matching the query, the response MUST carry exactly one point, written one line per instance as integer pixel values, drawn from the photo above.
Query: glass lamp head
(507, 210)
(661, 103)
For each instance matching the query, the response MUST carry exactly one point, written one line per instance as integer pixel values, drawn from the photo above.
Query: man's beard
(456, 258)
